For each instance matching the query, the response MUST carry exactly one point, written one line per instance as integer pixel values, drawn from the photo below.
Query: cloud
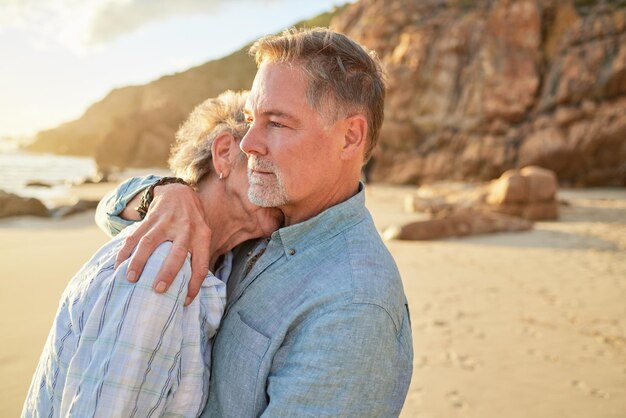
(80, 24)
(116, 18)
(50, 21)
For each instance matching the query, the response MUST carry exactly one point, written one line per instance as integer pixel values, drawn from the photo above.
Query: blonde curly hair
(191, 157)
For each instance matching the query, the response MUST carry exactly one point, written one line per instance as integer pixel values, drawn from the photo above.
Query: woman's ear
(224, 150)
(355, 137)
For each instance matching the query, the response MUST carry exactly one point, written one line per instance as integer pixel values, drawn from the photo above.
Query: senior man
(317, 322)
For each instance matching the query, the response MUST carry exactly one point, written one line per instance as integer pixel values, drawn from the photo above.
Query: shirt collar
(224, 270)
(332, 221)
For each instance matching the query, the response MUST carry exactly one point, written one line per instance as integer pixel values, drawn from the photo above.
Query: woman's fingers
(199, 262)
(130, 243)
(170, 267)
(175, 215)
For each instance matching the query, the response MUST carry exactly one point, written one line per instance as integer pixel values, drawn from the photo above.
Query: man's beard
(269, 190)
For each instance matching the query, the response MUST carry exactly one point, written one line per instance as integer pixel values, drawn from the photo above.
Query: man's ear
(355, 136)
(223, 149)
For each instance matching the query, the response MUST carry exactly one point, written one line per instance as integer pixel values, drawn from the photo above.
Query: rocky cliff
(134, 126)
(476, 88)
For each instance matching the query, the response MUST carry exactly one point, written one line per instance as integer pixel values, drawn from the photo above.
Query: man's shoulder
(375, 275)
(364, 246)
(361, 268)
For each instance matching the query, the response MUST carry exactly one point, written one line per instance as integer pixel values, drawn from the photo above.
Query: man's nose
(253, 142)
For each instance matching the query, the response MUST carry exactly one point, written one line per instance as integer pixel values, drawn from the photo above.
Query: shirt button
(249, 253)
(292, 251)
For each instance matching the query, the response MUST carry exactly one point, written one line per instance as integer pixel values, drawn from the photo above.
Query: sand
(526, 324)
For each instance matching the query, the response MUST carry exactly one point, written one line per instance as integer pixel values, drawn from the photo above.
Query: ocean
(18, 168)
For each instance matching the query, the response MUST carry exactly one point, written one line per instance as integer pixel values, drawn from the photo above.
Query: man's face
(293, 152)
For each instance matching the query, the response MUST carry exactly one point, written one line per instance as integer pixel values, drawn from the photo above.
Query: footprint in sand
(476, 333)
(594, 392)
(531, 332)
(455, 399)
(461, 361)
(542, 355)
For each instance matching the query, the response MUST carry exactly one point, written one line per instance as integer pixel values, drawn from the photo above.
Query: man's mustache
(257, 164)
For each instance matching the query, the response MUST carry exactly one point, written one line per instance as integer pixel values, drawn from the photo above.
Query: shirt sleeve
(114, 202)
(140, 353)
(351, 361)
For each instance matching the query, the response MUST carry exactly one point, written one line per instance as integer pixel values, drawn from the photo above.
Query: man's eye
(274, 124)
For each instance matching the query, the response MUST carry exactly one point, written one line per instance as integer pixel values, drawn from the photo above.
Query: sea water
(18, 168)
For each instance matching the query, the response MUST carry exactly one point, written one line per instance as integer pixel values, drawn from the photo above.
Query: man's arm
(175, 215)
(351, 361)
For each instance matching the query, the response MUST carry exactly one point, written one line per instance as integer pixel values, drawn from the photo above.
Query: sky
(59, 56)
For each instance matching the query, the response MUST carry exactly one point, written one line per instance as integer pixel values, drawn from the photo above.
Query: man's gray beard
(266, 198)
(267, 195)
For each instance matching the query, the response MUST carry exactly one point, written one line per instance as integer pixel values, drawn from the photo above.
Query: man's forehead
(277, 89)
(257, 93)
(256, 103)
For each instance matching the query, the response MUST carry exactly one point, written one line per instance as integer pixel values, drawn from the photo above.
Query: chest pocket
(238, 378)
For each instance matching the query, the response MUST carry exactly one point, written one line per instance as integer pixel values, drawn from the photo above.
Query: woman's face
(268, 219)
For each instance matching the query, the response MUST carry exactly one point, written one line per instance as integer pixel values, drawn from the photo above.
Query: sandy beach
(528, 324)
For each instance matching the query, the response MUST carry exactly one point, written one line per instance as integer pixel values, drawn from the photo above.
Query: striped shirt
(119, 349)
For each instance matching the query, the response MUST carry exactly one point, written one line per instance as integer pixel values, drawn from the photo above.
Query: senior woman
(120, 349)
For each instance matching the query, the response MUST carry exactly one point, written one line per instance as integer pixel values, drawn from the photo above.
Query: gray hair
(191, 157)
(344, 77)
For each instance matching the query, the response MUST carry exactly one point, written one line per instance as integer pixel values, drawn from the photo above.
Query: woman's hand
(176, 215)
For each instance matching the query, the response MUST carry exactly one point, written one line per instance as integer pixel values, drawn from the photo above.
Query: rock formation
(529, 193)
(509, 203)
(81, 205)
(134, 126)
(459, 224)
(477, 88)
(14, 205)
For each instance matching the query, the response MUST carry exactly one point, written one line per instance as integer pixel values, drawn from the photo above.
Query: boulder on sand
(81, 205)
(458, 224)
(14, 205)
(529, 193)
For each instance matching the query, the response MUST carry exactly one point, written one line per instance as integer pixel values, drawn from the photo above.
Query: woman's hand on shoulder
(175, 215)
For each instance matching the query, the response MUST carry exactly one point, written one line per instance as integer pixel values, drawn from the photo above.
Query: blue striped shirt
(119, 349)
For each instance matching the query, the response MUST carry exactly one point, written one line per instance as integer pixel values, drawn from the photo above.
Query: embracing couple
(258, 284)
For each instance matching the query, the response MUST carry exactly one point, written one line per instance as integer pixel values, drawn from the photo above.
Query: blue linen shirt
(318, 326)
(120, 349)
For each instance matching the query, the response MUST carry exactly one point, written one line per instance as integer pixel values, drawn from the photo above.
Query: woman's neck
(227, 218)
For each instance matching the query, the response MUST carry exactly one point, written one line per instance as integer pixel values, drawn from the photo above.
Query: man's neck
(319, 202)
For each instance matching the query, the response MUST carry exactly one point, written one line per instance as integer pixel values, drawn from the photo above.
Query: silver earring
(221, 176)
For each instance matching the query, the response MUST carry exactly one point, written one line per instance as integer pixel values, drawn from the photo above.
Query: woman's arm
(114, 210)
(175, 215)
